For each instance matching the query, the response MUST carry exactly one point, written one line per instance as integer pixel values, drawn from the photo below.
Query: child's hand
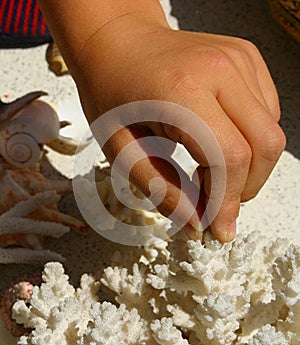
(222, 79)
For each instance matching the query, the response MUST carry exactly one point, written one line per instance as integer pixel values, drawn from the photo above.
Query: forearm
(74, 22)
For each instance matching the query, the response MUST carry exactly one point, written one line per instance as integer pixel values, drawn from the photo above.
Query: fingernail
(229, 233)
(226, 234)
(232, 228)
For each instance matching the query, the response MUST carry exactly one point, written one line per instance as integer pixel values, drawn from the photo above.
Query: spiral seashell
(39, 119)
(27, 124)
(20, 150)
(24, 128)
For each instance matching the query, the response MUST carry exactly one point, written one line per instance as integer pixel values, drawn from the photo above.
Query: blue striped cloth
(22, 24)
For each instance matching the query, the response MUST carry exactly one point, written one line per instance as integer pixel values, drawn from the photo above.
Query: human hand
(224, 80)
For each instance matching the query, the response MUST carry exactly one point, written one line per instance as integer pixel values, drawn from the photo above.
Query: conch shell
(26, 125)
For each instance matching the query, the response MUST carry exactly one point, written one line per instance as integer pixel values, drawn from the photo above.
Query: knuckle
(219, 60)
(239, 156)
(248, 46)
(272, 143)
(239, 54)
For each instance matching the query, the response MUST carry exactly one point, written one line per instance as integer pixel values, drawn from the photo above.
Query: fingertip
(225, 233)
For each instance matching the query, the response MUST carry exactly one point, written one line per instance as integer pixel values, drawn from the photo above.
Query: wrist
(107, 66)
(73, 23)
(146, 9)
(114, 45)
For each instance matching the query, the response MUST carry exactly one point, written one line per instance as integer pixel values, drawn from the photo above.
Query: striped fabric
(22, 24)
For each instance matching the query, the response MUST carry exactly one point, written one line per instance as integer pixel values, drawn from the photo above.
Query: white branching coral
(221, 293)
(245, 293)
(110, 325)
(58, 313)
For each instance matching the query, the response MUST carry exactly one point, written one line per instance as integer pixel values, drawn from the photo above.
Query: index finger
(224, 192)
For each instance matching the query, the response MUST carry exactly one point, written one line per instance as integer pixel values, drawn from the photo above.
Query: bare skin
(126, 52)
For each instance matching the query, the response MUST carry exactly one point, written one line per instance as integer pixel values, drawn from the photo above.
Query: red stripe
(43, 26)
(27, 15)
(18, 16)
(9, 15)
(35, 19)
(2, 9)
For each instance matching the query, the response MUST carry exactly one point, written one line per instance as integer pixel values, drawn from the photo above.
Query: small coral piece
(114, 192)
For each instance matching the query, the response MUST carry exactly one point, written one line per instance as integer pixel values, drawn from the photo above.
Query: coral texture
(58, 313)
(244, 293)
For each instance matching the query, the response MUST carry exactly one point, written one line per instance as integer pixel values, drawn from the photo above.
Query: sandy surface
(276, 210)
